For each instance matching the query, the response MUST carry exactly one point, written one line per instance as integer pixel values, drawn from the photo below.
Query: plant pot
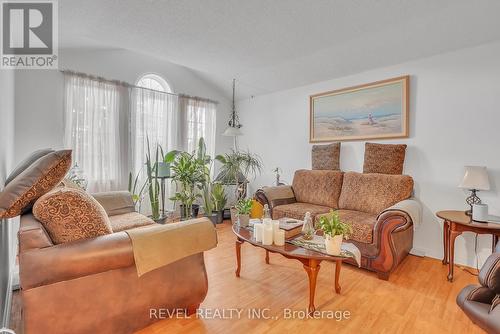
(333, 244)
(195, 208)
(220, 216)
(244, 219)
(162, 220)
(212, 217)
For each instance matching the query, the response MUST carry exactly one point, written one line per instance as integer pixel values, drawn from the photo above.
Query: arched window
(154, 82)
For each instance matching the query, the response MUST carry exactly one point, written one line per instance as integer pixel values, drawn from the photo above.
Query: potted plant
(186, 175)
(334, 231)
(152, 184)
(243, 208)
(219, 199)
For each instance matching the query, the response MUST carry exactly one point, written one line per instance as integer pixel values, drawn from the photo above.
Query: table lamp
(475, 179)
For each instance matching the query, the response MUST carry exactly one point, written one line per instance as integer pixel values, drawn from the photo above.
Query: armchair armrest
(116, 202)
(274, 196)
(71, 260)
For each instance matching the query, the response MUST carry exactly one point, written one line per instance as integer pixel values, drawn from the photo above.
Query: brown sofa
(481, 302)
(92, 285)
(383, 234)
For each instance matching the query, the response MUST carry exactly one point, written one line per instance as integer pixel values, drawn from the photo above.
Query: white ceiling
(270, 45)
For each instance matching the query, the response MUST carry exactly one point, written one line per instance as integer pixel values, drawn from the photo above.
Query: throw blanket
(158, 245)
(411, 207)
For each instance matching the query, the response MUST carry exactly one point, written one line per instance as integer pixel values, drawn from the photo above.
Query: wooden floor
(416, 299)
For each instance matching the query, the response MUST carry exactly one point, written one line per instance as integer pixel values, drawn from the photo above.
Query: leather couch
(481, 302)
(370, 203)
(92, 285)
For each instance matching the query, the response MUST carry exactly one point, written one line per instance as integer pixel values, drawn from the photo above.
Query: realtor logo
(29, 34)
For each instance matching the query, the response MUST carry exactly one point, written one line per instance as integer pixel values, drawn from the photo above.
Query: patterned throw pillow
(384, 158)
(70, 214)
(38, 179)
(326, 157)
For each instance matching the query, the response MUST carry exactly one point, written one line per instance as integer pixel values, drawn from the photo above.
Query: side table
(454, 224)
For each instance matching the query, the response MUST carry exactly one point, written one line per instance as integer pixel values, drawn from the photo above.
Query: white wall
(454, 121)
(39, 93)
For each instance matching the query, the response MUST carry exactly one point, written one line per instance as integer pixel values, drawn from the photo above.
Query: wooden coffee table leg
(267, 256)
(238, 256)
(338, 266)
(312, 269)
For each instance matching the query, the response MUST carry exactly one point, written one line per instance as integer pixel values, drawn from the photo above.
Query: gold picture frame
(377, 110)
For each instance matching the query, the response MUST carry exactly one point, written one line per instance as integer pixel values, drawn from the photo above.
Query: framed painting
(376, 110)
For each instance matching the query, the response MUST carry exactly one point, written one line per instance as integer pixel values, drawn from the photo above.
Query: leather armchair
(481, 302)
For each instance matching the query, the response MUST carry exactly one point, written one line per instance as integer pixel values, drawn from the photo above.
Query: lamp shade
(232, 131)
(475, 177)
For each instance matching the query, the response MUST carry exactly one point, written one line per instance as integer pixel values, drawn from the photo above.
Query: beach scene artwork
(378, 110)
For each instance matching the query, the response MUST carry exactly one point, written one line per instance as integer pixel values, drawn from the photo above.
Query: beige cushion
(23, 165)
(326, 157)
(279, 195)
(70, 214)
(373, 192)
(116, 202)
(298, 210)
(38, 179)
(361, 223)
(384, 158)
(126, 221)
(320, 187)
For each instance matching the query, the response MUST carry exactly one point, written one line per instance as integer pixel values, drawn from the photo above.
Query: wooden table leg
(267, 256)
(494, 242)
(451, 255)
(338, 266)
(446, 237)
(238, 256)
(312, 269)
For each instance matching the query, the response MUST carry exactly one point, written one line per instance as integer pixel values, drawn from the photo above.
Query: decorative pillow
(384, 158)
(70, 214)
(23, 165)
(373, 193)
(38, 179)
(320, 187)
(326, 157)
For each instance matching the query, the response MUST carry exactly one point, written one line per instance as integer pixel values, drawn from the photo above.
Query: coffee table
(310, 259)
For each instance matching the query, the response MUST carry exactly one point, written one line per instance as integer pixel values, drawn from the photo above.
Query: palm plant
(236, 168)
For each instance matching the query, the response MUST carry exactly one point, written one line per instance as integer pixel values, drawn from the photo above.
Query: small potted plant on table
(243, 208)
(334, 231)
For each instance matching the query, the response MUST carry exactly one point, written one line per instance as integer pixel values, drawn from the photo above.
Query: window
(154, 82)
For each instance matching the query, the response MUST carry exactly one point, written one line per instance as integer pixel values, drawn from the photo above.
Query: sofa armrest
(116, 202)
(410, 208)
(274, 196)
(476, 293)
(75, 259)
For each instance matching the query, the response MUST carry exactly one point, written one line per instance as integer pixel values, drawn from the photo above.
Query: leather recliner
(481, 302)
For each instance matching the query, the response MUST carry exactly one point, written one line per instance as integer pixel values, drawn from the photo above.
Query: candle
(279, 237)
(276, 225)
(267, 235)
(267, 221)
(257, 232)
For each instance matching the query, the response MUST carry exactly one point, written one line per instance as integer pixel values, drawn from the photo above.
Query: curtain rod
(126, 84)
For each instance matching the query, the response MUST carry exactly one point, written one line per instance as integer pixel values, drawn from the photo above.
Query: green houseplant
(243, 208)
(334, 231)
(219, 200)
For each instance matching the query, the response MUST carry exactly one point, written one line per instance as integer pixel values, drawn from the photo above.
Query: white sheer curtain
(198, 118)
(92, 130)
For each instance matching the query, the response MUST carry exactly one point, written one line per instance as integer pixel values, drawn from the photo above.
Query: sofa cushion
(23, 165)
(126, 221)
(38, 179)
(362, 224)
(384, 158)
(320, 187)
(373, 193)
(326, 157)
(70, 214)
(298, 210)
